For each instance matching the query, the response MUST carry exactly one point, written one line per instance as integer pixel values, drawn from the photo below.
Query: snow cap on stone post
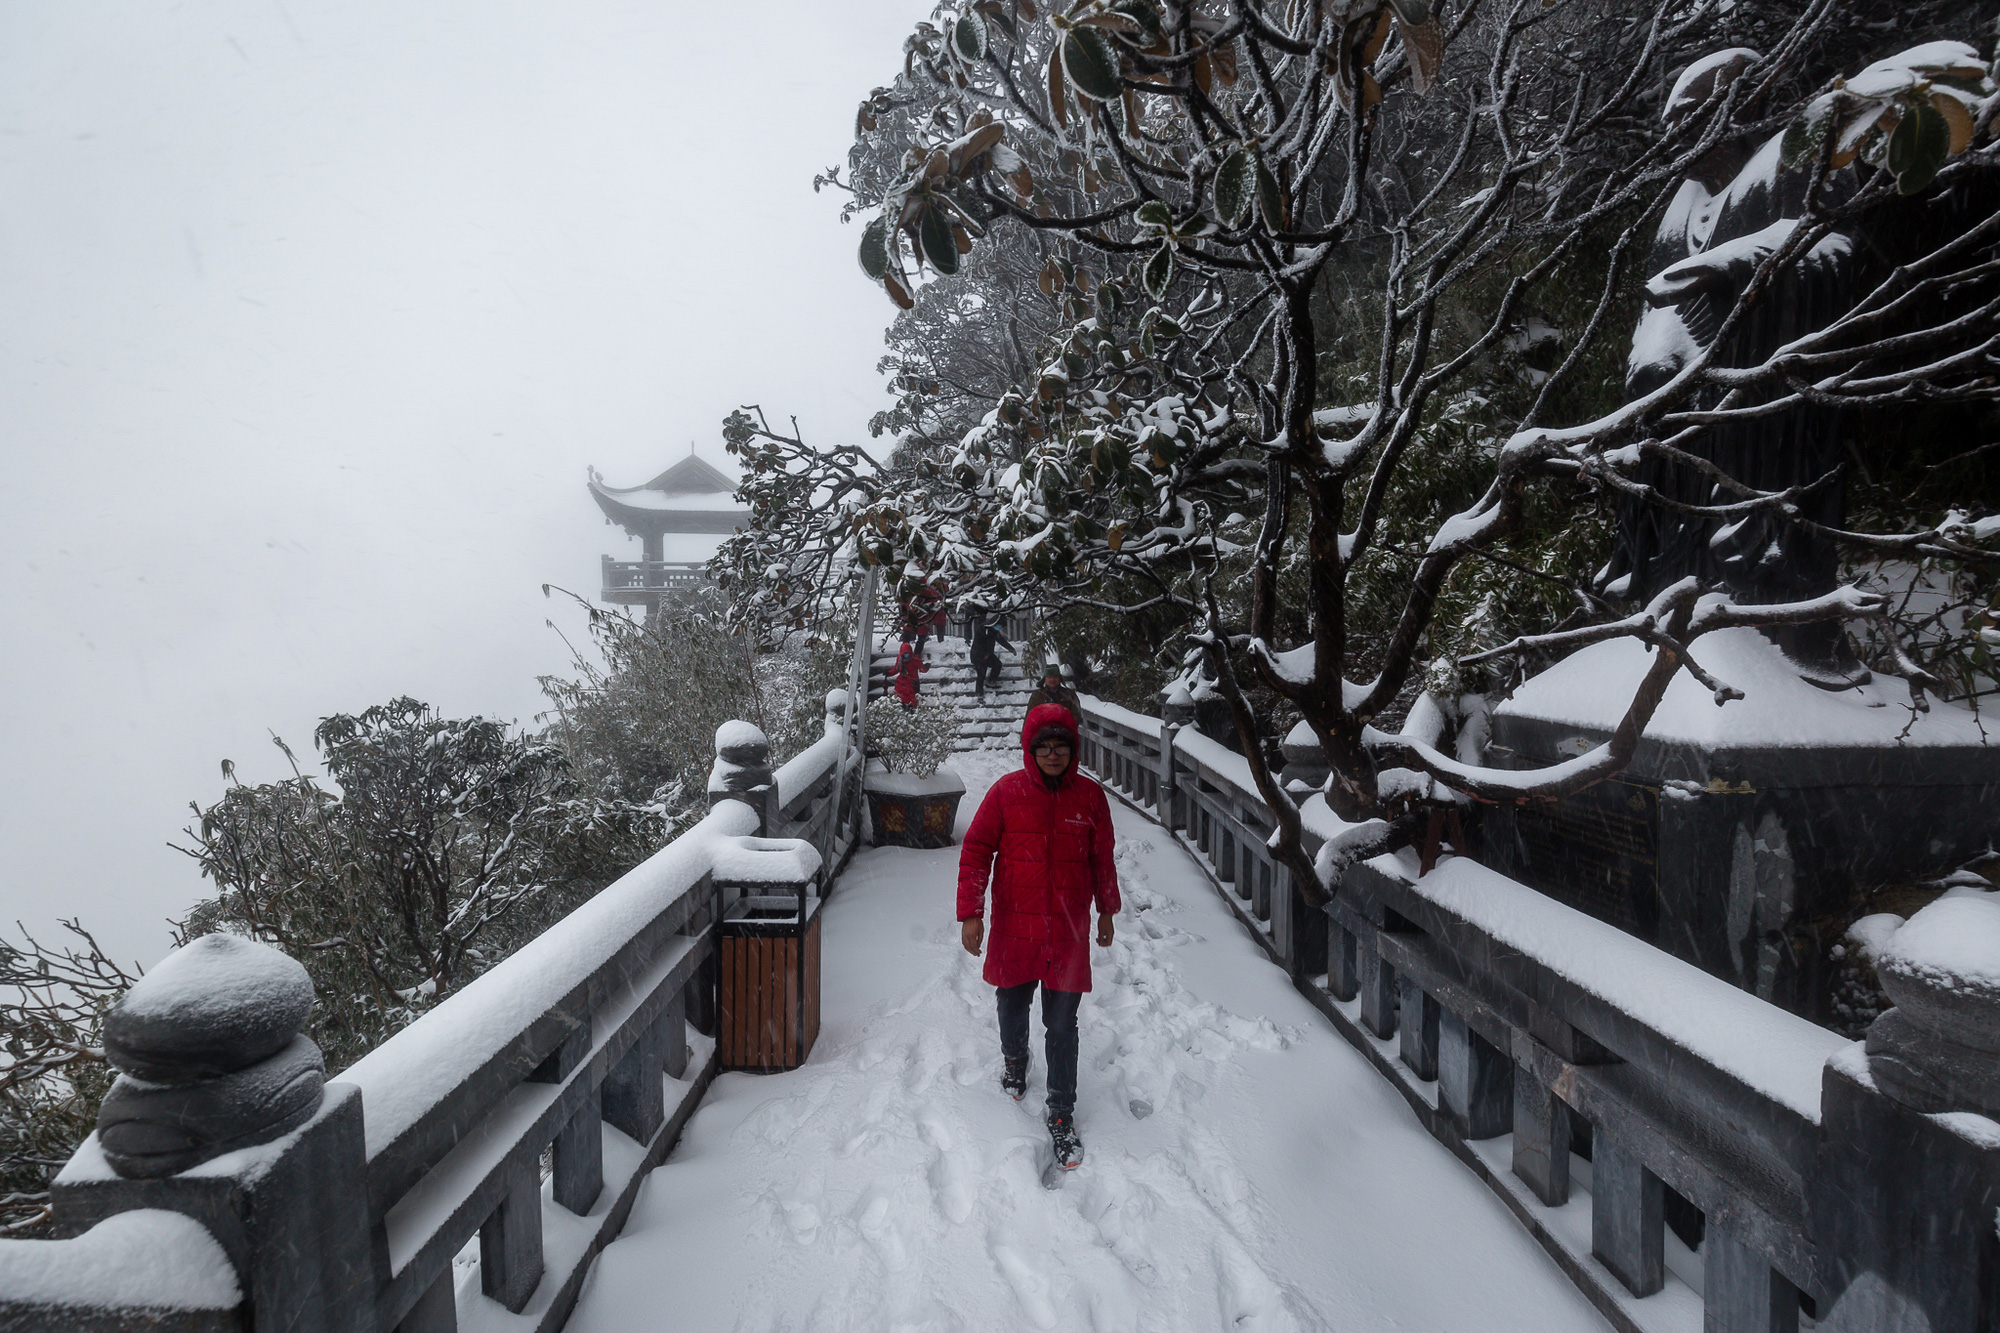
(1939, 1048)
(838, 700)
(211, 1057)
(742, 770)
(1305, 760)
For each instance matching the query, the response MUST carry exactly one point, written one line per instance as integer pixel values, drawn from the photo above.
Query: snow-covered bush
(912, 739)
(1326, 356)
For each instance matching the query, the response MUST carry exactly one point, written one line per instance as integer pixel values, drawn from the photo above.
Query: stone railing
(232, 1185)
(1690, 1155)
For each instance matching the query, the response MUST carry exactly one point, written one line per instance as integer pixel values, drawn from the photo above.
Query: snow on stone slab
(1593, 686)
(751, 860)
(1218, 758)
(1766, 1048)
(1244, 1167)
(1954, 943)
(808, 766)
(1123, 718)
(412, 1071)
(146, 1258)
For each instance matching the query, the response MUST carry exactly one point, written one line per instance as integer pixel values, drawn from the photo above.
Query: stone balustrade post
(1176, 711)
(1305, 759)
(1903, 1201)
(221, 1112)
(742, 771)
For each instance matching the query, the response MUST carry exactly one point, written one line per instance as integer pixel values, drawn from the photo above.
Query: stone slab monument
(1735, 825)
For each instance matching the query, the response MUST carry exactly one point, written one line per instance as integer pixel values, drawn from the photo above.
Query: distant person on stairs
(987, 640)
(1053, 691)
(909, 661)
(1043, 835)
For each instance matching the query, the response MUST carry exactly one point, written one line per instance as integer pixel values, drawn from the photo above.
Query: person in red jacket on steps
(1049, 827)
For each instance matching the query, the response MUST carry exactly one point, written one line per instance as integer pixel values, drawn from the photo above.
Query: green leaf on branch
(1919, 146)
(1270, 198)
(1091, 64)
(1153, 213)
(940, 247)
(1232, 188)
(1159, 273)
(875, 249)
(969, 36)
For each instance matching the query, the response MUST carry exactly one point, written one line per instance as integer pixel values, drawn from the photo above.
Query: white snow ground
(1278, 1182)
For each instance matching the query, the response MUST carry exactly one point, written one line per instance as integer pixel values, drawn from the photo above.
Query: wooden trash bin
(768, 986)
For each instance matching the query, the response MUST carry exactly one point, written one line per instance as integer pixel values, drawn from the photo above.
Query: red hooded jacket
(908, 663)
(1054, 853)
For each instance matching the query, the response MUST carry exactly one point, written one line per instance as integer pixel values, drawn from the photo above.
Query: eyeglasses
(1049, 749)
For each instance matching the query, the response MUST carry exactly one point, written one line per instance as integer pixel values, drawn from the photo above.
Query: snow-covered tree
(1371, 268)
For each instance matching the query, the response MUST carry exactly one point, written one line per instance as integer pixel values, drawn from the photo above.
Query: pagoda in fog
(679, 517)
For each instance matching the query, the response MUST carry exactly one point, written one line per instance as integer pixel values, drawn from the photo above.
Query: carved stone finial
(1939, 1048)
(838, 701)
(742, 760)
(1305, 761)
(211, 1057)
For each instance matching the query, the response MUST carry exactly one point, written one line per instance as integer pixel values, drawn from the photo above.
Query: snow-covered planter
(912, 795)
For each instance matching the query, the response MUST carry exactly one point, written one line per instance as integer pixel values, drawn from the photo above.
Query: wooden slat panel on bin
(811, 1014)
(795, 956)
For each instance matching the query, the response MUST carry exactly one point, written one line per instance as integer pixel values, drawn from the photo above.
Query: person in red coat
(909, 661)
(1049, 829)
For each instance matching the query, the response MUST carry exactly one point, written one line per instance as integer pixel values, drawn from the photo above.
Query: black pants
(985, 664)
(1059, 1029)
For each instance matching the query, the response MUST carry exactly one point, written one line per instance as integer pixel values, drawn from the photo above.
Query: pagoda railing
(640, 582)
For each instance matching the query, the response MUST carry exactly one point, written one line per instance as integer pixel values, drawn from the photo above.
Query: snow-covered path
(1276, 1182)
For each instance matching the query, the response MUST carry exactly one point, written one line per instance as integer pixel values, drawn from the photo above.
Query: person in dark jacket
(1053, 691)
(987, 641)
(1043, 835)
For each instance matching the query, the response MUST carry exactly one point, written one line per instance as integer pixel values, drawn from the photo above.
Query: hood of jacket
(1049, 715)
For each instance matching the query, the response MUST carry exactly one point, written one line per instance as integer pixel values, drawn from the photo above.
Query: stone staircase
(994, 724)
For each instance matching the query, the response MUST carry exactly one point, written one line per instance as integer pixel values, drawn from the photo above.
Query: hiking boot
(1062, 1134)
(1014, 1077)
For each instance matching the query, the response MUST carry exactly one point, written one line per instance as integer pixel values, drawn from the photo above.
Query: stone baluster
(211, 1064)
(1627, 1216)
(1418, 1022)
(1343, 964)
(1475, 1080)
(1901, 1208)
(510, 1241)
(1741, 1292)
(1544, 1124)
(1379, 991)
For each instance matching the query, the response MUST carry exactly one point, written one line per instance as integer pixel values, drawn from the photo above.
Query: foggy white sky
(312, 316)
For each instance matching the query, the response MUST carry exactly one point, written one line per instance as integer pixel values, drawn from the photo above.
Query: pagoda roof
(690, 496)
